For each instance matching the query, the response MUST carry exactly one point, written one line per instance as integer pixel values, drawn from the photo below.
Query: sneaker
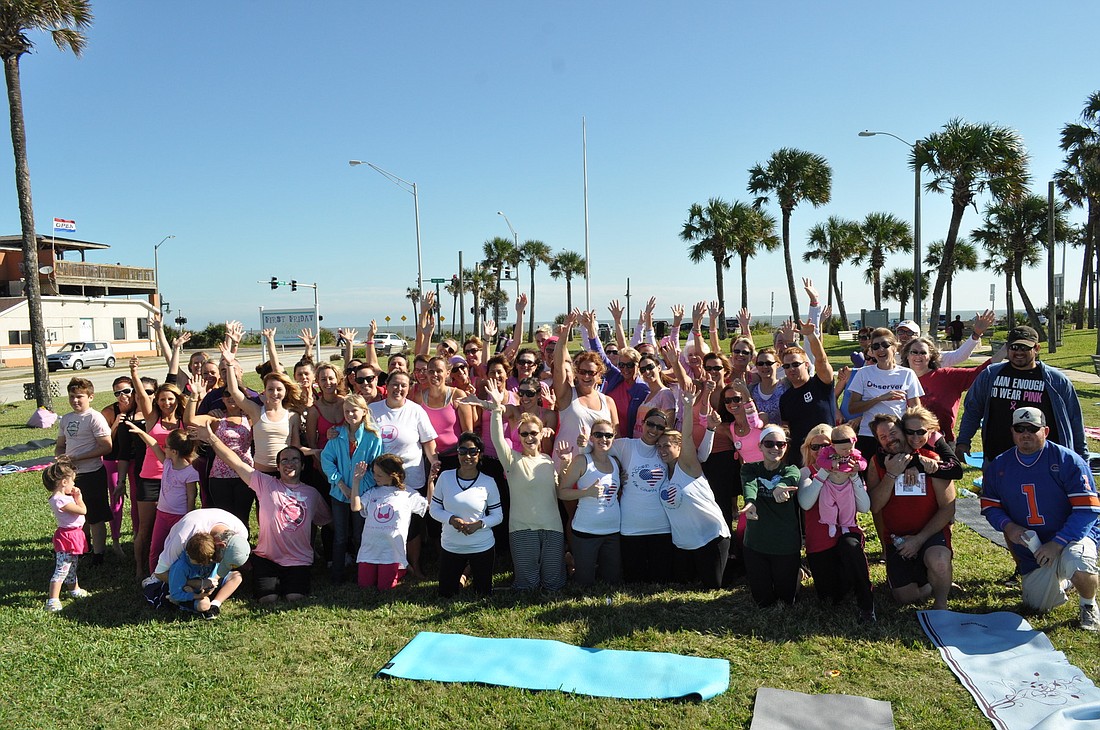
(211, 613)
(149, 581)
(79, 593)
(1090, 618)
(868, 617)
(53, 605)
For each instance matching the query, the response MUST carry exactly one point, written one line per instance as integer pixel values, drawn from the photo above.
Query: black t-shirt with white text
(1012, 389)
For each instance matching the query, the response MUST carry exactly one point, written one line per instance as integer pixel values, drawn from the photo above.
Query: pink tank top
(151, 468)
(238, 437)
(445, 422)
(323, 426)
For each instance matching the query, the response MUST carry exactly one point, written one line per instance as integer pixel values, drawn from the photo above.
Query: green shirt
(776, 531)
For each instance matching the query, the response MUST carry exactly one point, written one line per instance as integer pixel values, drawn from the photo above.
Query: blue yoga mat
(1017, 677)
(541, 664)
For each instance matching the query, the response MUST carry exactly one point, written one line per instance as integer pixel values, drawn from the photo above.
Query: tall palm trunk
(531, 316)
(720, 284)
(877, 264)
(1086, 277)
(568, 294)
(744, 281)
(840, 305)
(831, 286)
(902, 304)
(1032, 314)
(947, 306)
(957, 210)
(31, 286)
(787, 262)
(1010, 311)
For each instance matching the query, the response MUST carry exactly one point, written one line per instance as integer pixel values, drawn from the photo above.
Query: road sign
(439, 281)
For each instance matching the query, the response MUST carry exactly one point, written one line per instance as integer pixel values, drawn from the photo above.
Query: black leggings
(647, 558)
(840, 569)
(772, 578)
(233, 496)
(709, 562)
(451, 566)
(723, 473)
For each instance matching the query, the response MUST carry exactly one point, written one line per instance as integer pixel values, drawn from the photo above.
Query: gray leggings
(596, 557)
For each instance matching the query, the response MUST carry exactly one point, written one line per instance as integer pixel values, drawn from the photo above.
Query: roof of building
(57, 242)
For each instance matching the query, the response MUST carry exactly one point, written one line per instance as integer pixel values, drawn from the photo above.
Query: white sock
(1088, 601)
(215, 603)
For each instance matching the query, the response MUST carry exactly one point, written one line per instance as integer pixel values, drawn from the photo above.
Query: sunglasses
(865, 337)
(1025, 428)
(844, 441)
(603, 435)
(654, 426)
(817, 447)
(526, 363)
(363, 379)
(880, 345)
(1020, 347)
(743, 353)
(915, 431)
(611, 353)
(529, 434)
(527, 393)
(918, 352)
(647, 368)
(713, 368)
(732, 399)
(468, 451)
(149, 392)
(588, 373)
(774, 444)
(471, 351)
(123, 391)
(765, 363)
(458, 366)
(789, 365)
(627, 364)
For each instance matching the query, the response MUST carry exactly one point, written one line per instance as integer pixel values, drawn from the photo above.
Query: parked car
(387, 343)
(79, 355)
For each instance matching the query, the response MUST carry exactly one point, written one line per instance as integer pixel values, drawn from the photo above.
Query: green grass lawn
(110, 661)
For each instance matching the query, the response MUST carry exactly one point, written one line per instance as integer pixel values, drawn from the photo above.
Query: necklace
(1035, 457)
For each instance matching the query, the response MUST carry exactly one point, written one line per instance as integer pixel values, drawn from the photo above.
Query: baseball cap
(1029, 415)
(1023, 334)
(910, 325)
(235, 554)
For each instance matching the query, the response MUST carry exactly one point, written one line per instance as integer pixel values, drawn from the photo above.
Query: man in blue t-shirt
(1042, 497)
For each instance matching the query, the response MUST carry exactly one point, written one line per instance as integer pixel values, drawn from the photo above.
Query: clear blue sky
(229, 125)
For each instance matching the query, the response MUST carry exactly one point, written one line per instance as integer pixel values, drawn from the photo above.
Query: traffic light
(294, 285)
(274, 283)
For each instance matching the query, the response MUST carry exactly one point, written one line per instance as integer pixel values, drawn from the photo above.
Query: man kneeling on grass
(1042, 497)
(913, 514)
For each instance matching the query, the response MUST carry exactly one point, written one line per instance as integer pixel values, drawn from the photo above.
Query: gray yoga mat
(781, 709)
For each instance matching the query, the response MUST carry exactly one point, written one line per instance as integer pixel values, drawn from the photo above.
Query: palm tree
(567, 264)
(1079, 182)
(64, 20)
(478, 282)
(412, 293)
(1072, 183)
(834, 242)
(721, 230)
(793, 176)
(999, 260)
(898, 285)
(499, 252)
(881, 234)
(969, 159)
(533, 253)
(966, 259)
(1017, 233)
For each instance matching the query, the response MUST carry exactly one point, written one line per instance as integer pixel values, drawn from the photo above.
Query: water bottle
(898, 541)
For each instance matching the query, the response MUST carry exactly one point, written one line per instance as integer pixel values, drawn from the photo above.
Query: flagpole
(587, 254)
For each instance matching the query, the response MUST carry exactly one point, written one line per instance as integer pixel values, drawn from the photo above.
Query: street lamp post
(916, 228)
(408, 187)
(156, 272)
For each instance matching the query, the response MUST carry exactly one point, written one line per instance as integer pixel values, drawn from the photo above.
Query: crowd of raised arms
(635, 460)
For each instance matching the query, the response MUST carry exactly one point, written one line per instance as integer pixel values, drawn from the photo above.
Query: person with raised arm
(809, 399)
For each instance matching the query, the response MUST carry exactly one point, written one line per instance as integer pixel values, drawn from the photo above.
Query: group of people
(630, 461)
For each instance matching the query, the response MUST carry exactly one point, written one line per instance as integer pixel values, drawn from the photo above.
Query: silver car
(79, 355)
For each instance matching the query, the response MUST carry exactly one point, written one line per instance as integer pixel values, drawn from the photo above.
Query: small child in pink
(842, 462)
(69, 541)
(179, 485)
(387, 509)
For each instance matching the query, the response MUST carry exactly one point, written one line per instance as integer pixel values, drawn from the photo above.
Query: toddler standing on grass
(69, 541)
(387, 510)
(843, 462)
(179, 484)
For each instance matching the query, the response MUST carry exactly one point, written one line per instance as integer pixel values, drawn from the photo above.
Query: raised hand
(616, 310)
(234, 330)
(811, 292)
(521, 304)
(714, 310)
(179, 342)
(983, 321)
(156, 321)
(373, 329)
(306, 336)
(489, 328)
(807, 328)
(697, 313)
(348, 334)
(744, 318)
(269, 334)
(588, 319)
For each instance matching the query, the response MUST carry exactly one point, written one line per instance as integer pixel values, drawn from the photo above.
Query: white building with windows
(80, 301)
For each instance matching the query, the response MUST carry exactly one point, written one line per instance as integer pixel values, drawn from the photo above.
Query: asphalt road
(12, 379)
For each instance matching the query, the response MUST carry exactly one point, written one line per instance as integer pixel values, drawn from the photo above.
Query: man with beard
(1021, 382)
(913, 513)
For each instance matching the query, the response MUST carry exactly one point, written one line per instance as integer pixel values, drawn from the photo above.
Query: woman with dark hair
(885, 388)
(449, 416)
(123, 409)
(943, 387)
(225, 489)
(770, 386)
(466, 502)
(528, 395)
(660, 395)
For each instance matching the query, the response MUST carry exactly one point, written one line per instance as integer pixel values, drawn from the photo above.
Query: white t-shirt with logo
(387, 512)
(403, 430)
(871, 382)
(642, 513)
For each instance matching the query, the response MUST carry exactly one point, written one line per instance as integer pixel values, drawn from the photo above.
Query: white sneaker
(150, 581)
(79, 593)
(1090, 617)
(53, 605)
